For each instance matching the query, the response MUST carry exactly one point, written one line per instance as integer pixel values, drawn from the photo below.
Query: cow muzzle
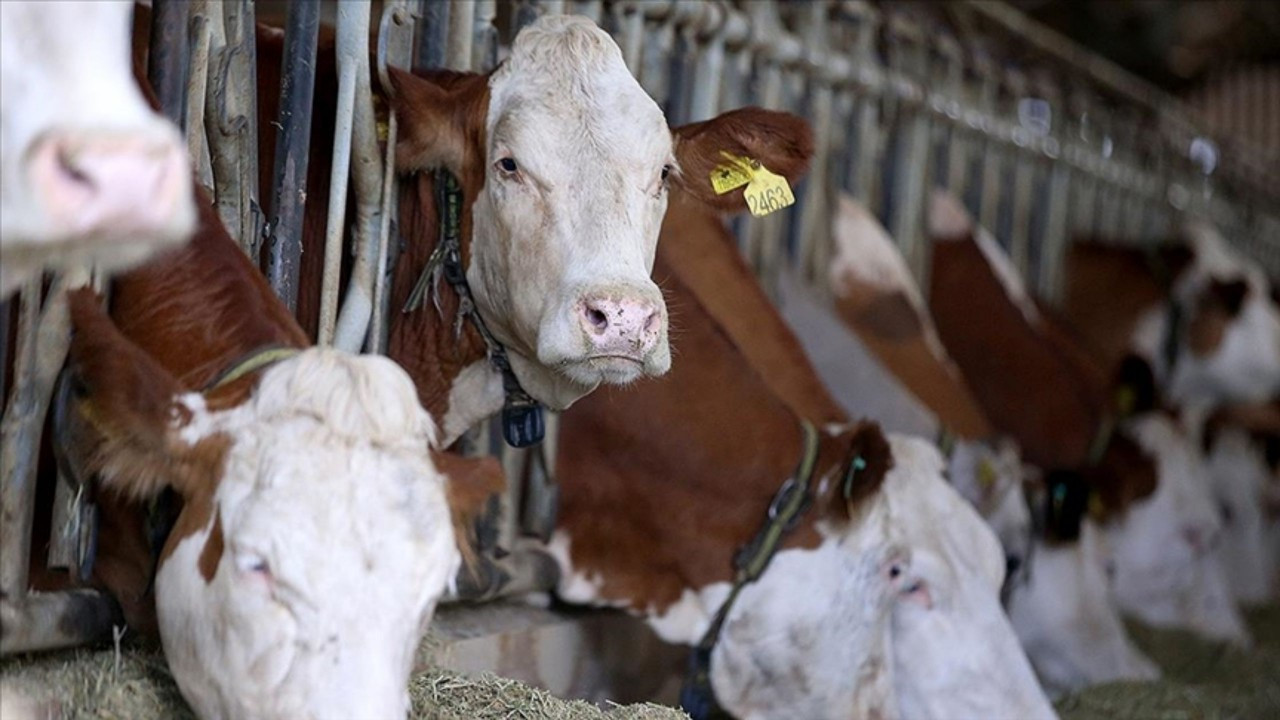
(118, 185)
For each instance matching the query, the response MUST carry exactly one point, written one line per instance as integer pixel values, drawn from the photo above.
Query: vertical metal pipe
(289, 183)
(484, 49)
(231, 111)
(353, 45)
(433, 35)
(167, 58)
(197, 83)
(461, 31)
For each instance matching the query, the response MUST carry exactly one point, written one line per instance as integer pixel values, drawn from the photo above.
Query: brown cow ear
(869, 459)
(438, 115)
(473, 487)
(127, 412)
(781, 142)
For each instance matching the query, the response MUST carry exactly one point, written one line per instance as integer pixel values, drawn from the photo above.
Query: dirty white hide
(88, 172)
(335, 543)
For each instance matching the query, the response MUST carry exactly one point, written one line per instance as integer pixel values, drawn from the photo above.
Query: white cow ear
(125, 413)
(440, 118)
(779, 141)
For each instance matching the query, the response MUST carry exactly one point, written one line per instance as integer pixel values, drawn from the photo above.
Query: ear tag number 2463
(766, 192)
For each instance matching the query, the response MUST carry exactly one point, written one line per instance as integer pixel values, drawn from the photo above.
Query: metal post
(231, 120)
(433, 35)
(167, 57)
(911, 156)
(289, 183)
(201, 35)
(461, 30)
(1024, 171)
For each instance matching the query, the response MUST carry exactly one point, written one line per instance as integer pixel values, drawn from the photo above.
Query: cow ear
(127, 411)
(438, 115)
(473, 487)
(869, 459)
(781, 142)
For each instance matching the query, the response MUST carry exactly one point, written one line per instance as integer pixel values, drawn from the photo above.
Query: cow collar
(697, 697)
(522, 421)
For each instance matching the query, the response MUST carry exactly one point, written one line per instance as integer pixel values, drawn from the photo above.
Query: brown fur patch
(211, 554)
(438, 116)
(891, 317)
(471, 482)
(867, 443)
(780, 141)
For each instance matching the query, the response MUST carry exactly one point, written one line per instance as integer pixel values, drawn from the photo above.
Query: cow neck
(428, 343)
(199, 309)
(522, 422)
(701, 254)
(664, 480)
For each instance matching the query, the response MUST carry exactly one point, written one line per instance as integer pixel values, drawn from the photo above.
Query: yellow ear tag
(986, 475)
(1126, 399)
(766, 191)
(733, 174)
(1097, 510)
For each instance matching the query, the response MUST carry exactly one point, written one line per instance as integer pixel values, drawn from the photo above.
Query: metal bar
(47, 621)
(167, 57)
(433, 35)
(461, 30)
(484, 49)
(353, 49)
(289, 180)
(44, 336)
(197, 83)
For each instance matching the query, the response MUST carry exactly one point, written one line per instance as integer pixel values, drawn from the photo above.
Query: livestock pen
(1044, 141)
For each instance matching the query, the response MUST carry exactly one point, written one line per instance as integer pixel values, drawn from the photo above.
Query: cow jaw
(327, 543)
(563, 244)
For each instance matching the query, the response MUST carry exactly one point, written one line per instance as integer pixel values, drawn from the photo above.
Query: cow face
(951, 638)
(566, 163)
(1162, 547)
(901, 611)
(1229, 341)
(1066, 621)
(88, 173)
(314, 538)
(1239, 477)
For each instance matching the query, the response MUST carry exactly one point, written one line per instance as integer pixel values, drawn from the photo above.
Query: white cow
(88, 172)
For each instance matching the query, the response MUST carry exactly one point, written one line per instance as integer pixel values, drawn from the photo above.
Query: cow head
(1162, 546)
(901, 610)
(565, 164)
(88, 173)
(1067, 622)
(1228, 334)
(314, 539)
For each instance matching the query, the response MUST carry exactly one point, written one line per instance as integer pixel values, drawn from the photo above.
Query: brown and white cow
(565, 164)
(1196, 304)
(883, 604)
(314, 536)
(1042, 387)
(89, 174)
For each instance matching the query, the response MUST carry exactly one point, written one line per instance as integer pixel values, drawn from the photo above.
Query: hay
(135, 685)
(1202, 679)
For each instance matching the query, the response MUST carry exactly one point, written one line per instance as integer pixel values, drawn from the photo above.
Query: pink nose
(621, 327)
(117, 184)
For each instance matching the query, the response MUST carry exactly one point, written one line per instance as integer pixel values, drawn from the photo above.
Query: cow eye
(252, 563)
(508, 165)
(666, 172)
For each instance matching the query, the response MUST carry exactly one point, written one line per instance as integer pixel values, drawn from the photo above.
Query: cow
(876, 300)
(564, 165)
(884, 598)
(89, 174)
(1194, 308)
(1056, 592)
(1041, 386)
(314, 535)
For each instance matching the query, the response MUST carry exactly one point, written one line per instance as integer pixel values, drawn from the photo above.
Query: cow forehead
(565, 83)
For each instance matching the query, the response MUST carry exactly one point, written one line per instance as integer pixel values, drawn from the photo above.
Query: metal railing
(1042, 140)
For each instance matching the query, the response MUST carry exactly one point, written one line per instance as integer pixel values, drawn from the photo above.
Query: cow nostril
(67, 166)
(1012, 563)
(653, 322)
(599, 321)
